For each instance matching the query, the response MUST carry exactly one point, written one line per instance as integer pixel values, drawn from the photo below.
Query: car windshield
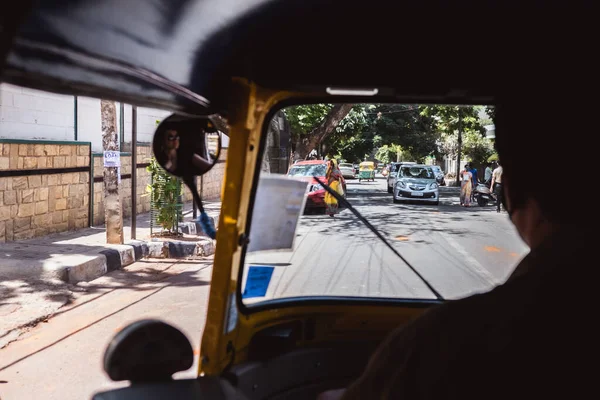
(332, 253)
(308, 170)
(417, 172)
(346, 166)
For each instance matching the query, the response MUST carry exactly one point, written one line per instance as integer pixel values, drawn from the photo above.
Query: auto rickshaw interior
(245, 62)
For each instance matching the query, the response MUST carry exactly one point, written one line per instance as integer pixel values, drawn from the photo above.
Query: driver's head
(171, 139)
(545, 119)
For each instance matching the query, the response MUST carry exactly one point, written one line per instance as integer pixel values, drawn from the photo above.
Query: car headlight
(401, 184)
(316, 187)
(433, 186)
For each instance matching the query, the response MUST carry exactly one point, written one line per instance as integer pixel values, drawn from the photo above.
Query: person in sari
(466, 186)
(333, 176)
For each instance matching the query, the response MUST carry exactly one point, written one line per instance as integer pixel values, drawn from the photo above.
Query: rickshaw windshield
(332, 253)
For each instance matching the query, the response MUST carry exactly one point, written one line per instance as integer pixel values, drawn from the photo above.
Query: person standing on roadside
(496, 186)
(473, 172)
(488, 173)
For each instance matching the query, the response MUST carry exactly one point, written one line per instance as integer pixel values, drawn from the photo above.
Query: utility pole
(133, 171)
(459, 145)
(112, 163)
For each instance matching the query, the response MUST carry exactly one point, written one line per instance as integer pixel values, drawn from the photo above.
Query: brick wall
(50, 201)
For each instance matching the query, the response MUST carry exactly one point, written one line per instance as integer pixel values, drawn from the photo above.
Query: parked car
(348, 170)
(391, 178)
(439, 175)
(316, 192)
(416, 182)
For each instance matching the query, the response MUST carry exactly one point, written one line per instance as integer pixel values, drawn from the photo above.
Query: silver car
(416, 183)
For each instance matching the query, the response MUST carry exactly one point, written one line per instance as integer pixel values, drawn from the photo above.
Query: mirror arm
(204, 220)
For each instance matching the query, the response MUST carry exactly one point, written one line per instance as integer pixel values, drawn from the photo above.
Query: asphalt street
(458, 250)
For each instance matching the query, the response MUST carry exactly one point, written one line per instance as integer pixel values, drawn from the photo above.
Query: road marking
(492, 249)
(473, 263)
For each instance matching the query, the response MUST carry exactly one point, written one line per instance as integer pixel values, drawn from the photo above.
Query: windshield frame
(319, 300)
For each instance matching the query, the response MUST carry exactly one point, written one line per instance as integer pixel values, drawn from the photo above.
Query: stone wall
(44, 188)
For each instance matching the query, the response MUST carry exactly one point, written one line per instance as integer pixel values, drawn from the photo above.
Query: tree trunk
(112, 198)
(310, 142)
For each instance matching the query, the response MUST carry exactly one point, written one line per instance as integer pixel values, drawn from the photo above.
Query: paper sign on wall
(112, 158)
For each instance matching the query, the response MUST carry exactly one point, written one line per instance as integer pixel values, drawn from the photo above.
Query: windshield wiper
(376, 232)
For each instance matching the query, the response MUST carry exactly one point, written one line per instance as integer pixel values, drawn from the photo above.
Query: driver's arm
(201, 162)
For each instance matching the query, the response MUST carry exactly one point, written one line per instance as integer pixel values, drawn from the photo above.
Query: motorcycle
(483, 194)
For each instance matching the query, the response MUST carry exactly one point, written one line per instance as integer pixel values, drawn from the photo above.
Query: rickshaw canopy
(366, 165)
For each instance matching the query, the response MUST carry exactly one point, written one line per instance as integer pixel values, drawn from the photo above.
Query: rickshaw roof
(178, 55)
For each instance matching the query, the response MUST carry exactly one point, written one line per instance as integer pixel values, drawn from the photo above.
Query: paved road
(61, 359)
(458, 250)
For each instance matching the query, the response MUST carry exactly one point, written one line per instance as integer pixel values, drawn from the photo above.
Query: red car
(316, 193)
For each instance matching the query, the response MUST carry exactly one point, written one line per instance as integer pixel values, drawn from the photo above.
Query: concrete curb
(194, 228)
(119, 256)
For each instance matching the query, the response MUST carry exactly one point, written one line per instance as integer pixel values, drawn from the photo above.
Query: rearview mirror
(189, 147)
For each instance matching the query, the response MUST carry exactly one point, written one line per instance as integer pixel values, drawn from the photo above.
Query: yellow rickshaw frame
(229, 326)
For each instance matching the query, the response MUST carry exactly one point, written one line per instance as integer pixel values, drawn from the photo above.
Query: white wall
(33, 114)
(146, 126)
(89, 122)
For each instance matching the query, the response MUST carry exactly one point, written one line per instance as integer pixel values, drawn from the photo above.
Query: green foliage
(448, 120)
(305, 118)
(419, 131)
(491, 112)
(403, 125)
(164, 190)
(477, 148)
(352, 139)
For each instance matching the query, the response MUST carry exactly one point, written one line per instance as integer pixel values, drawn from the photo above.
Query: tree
(404, 125)
(477, 148)
(491, 112)
(112, 199)
(352, 140)
(312, 124)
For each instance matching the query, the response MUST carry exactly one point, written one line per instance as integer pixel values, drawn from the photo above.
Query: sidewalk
(83, 255)
(39, 276)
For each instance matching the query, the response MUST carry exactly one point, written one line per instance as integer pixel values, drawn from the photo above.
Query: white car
(347, 170)
(416, 183)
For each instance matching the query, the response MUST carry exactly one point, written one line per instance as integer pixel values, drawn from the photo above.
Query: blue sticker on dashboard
(257, 281)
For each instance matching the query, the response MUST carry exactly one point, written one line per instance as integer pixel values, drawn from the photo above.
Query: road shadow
(412, 218)
(130, 277)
